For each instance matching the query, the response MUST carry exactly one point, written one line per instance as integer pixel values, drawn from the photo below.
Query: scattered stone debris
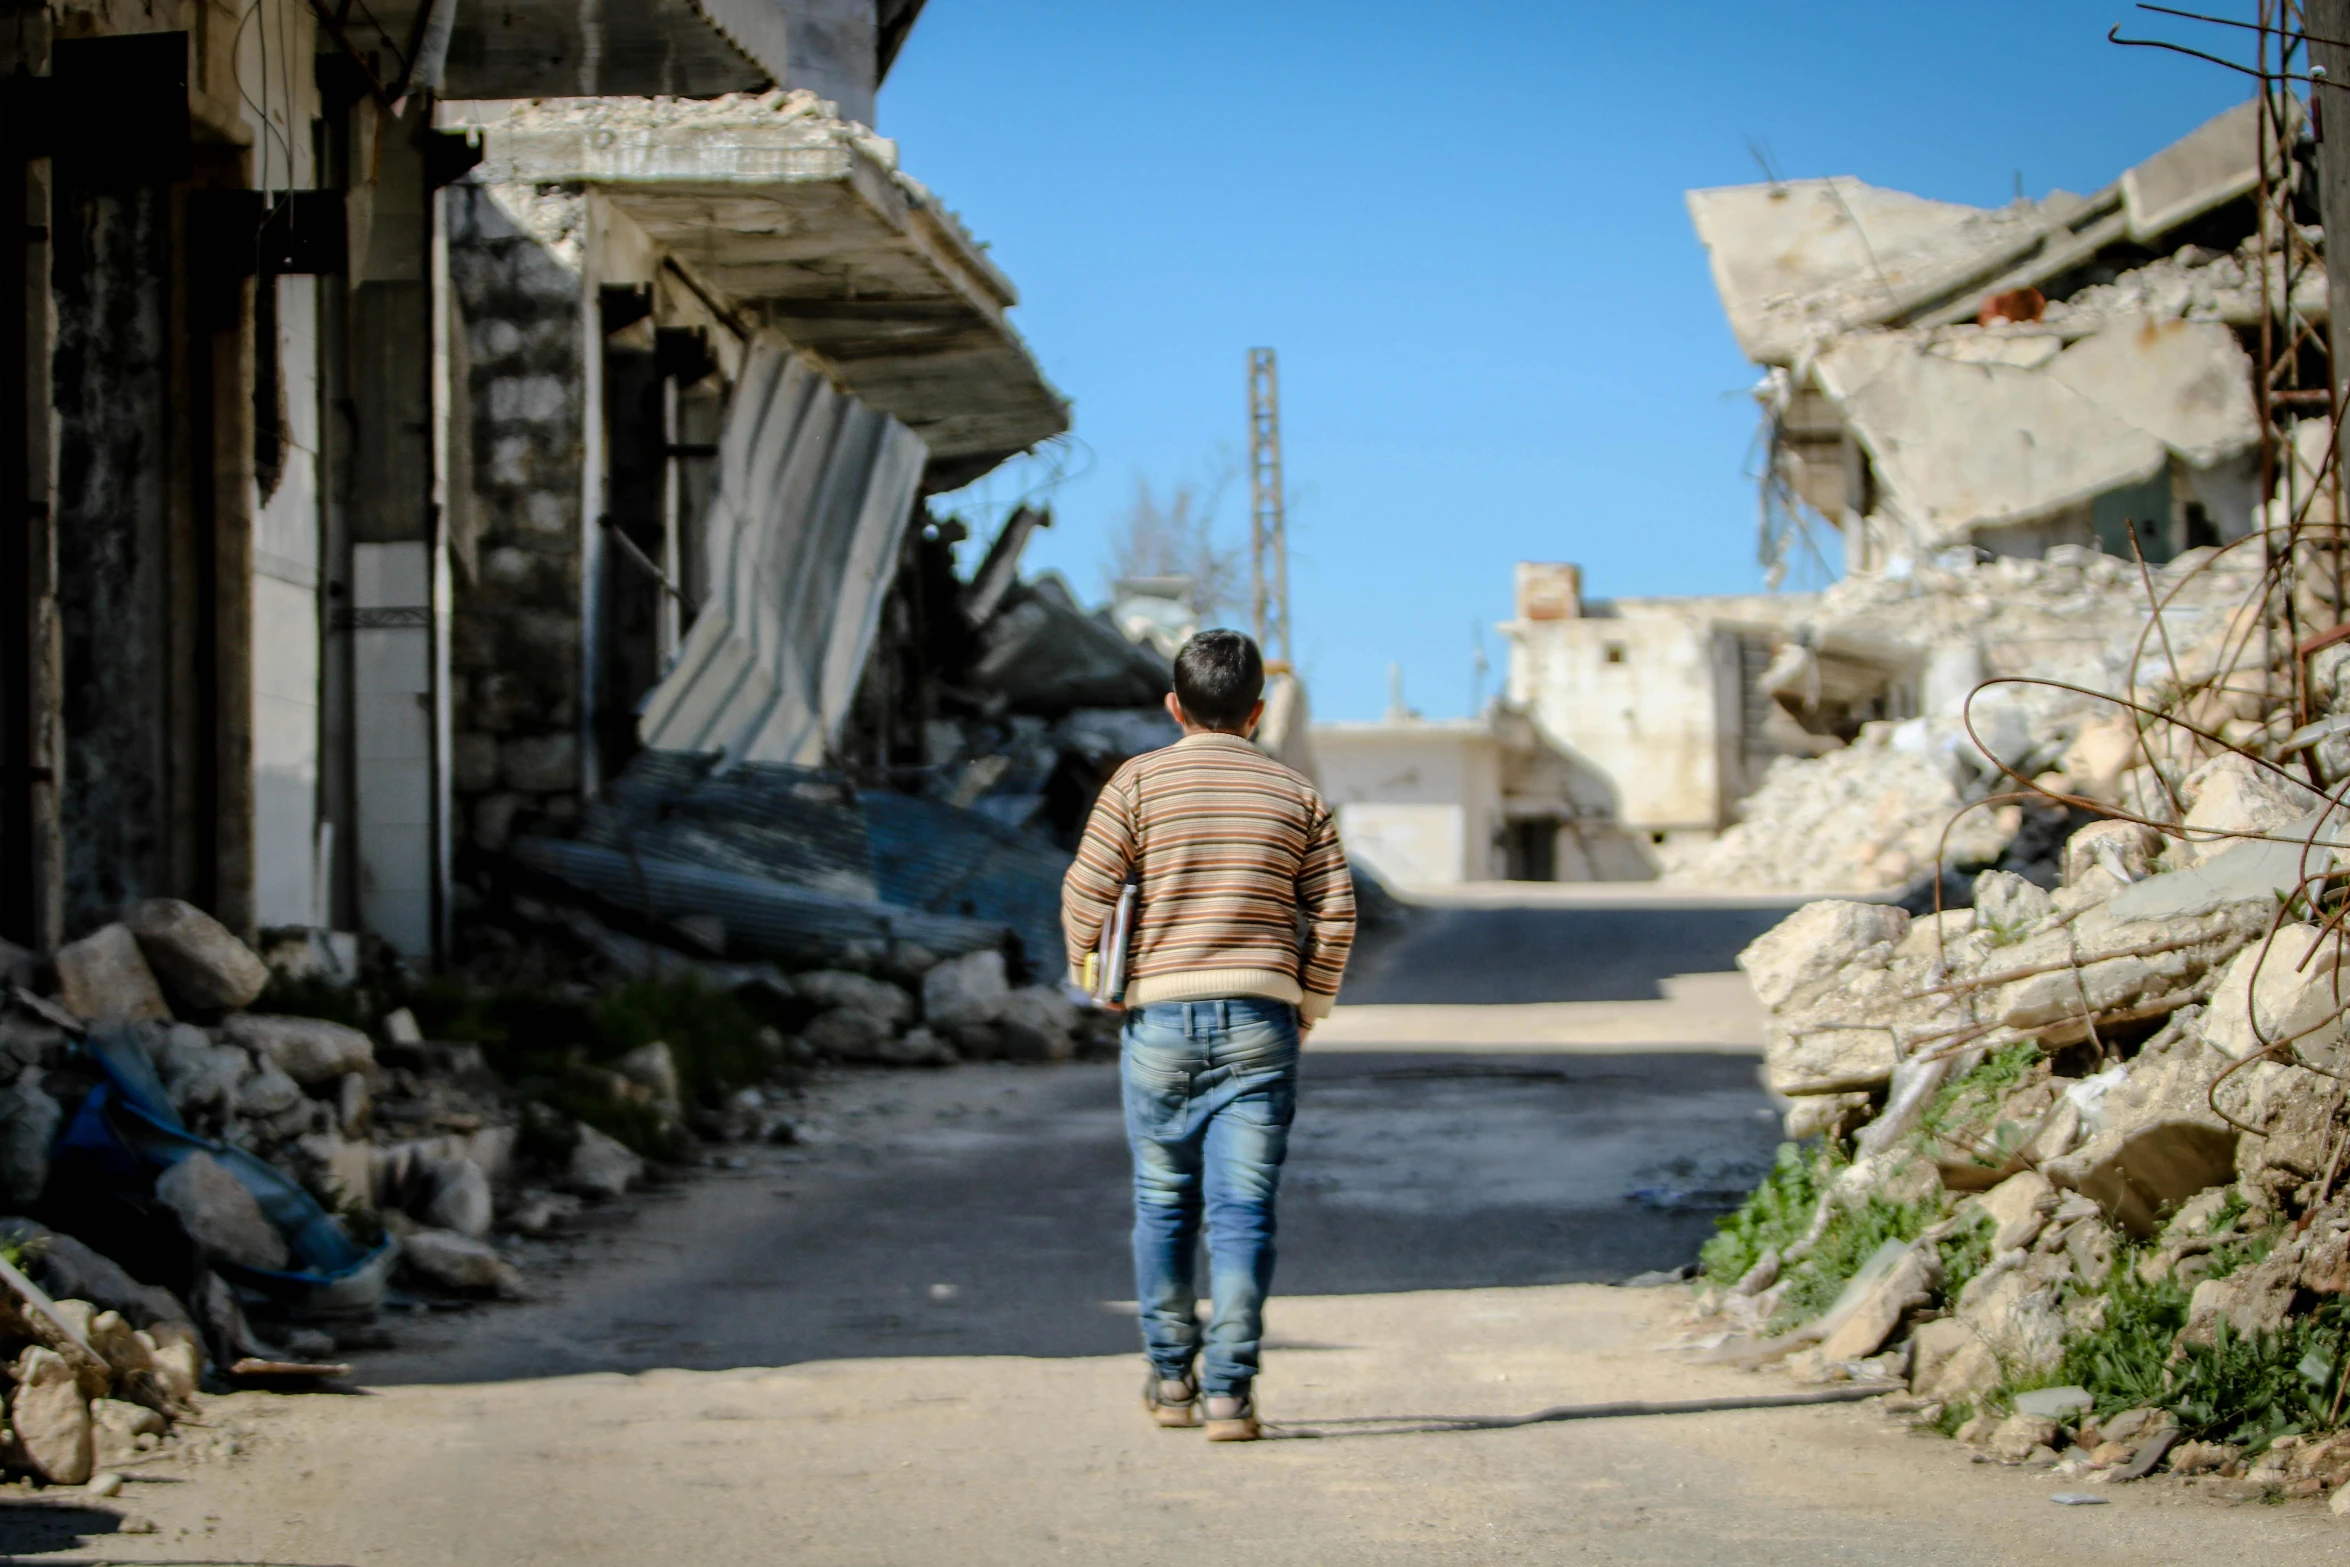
(2068, 1158)
(222, 1180)
(1910, 798)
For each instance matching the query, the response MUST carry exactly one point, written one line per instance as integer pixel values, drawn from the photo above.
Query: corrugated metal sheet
(864, 852)
(814, 492)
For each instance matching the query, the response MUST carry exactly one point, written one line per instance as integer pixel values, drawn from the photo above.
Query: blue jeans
(1210, 1089)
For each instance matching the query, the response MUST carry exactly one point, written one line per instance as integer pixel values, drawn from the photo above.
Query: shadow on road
(1518, 954)
(1008, 1235)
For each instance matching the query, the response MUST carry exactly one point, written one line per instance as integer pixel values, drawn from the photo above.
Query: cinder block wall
(519, 376)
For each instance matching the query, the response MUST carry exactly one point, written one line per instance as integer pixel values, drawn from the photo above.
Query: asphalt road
(1490, 955)
(984, 1211)
(909, 1341)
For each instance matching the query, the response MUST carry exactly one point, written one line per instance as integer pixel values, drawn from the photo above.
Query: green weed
(2253, 1388)
(1971, 1099)
(1775, 1215)
(537, 1040)
(1813, 1284)
(713, 1037)
(1954, 1414)
(1965, 1252)
(2125, 1363)
(2245, 1389)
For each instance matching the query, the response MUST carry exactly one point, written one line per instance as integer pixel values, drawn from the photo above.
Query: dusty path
(908, 1343)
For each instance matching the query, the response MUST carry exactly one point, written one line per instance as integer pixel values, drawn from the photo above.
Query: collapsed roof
(803, 221)
(1800, 261)
(1980, 428)
(1941, 372)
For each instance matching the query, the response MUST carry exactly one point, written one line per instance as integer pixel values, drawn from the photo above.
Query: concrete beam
(804, 221)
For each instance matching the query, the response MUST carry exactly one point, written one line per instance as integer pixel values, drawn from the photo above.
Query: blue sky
(1462, 227)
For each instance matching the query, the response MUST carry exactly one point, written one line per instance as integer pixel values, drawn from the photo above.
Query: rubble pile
(2069, 1163)
(1870, 817)
(225, 1164)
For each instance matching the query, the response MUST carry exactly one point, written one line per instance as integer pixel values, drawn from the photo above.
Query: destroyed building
(461, 450)
(2053, 372)
(1992, 415)
(2091, 1095)
(429, 417)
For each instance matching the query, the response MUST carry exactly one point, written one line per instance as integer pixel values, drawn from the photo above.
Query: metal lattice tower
(1268, 543)
(2295, 379)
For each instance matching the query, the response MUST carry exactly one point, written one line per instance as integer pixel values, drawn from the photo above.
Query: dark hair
(1218, 677)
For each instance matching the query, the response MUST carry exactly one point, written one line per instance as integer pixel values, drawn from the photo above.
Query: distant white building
(1670, 709)
(1427, 803)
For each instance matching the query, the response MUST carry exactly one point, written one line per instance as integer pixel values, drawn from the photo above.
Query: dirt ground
(908, 1341)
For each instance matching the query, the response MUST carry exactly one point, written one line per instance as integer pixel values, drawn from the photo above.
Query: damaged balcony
(802, 222)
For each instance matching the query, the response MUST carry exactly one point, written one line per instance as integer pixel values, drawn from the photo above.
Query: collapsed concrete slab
(1986, 429)
(1800, 261)
(775, 202)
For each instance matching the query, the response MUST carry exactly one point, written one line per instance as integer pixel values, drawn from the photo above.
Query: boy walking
(1241, 931)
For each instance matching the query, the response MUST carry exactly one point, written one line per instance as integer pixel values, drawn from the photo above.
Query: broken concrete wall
(1652, 696)
(515, 656)
(1970, 431)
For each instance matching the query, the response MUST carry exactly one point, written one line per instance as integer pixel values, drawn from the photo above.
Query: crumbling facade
(340, 457)
(1994, 415)
(2073, 370)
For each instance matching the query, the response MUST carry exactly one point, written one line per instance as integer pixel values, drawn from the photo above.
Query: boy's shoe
(1232, 1417)
(1172, 1401)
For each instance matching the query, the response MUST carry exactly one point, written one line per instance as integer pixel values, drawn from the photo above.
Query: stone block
(601, 1166)
(459, 1262)
(539, 763)
(49, 1417)
(1797, 958)
(307, 1049)
(219, 1214)
(891, 1004)
(967, 990)
(473, 761)
(2018, 1208)
(1038, 1023)
(200, 961)
(104, 978)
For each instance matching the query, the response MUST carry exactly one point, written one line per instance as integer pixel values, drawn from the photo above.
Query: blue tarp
(127, 1131)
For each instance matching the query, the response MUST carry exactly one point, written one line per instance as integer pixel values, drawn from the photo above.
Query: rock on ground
(836, 989)
(219, 1214)
(104, 978)
(115, 1429)
(460, 1199)
(917, 1047)
(1039, 1024)
(2018, 1208)
(1867, 818)
(201, 1077)
(653, 1067)
(1795, 959)
(307, 1049)
(965, 991)
(600, 1166)
(848, 1034)
(1870, 1320)
(267, 1091)
(50, 1419)
(29, 1119)
(199, 960)
(459, 1262)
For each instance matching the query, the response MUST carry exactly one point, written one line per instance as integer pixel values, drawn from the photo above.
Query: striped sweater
(1245, 889)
